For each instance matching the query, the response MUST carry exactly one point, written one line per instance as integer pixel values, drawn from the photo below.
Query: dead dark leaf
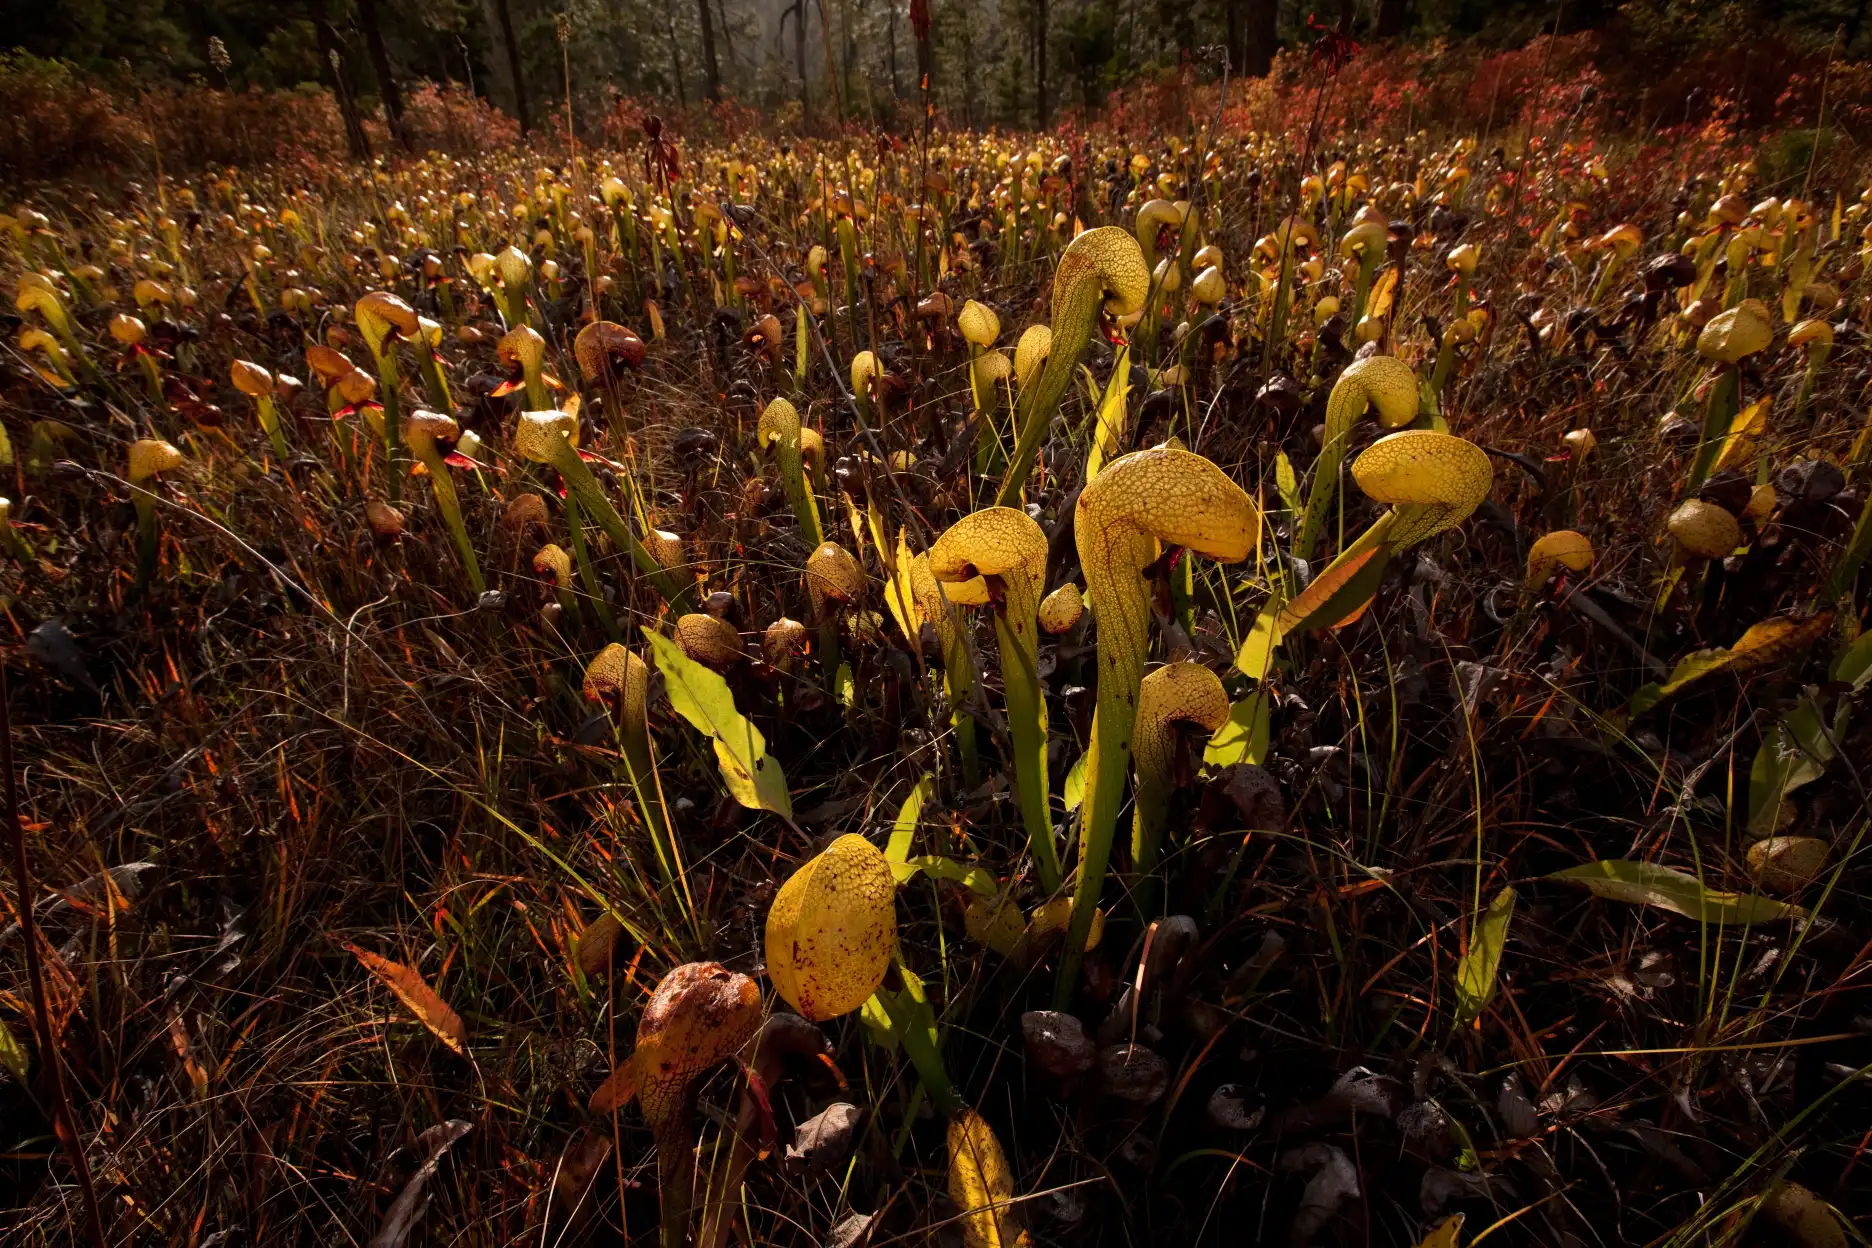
(1256, 796)
(1367, 1092)
(853, 1232)
(124, 881)
(53, 645)
(414, 1198)
(1335, 1180)
(584, 1154)
(825, 1139)
(1236, 1107)
(1133, 1074)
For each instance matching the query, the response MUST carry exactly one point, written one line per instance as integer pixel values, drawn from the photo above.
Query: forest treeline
(234, 81)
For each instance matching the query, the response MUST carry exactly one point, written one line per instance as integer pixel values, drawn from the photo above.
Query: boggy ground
(359, 856)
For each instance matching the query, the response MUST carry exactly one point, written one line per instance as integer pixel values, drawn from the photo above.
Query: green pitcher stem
(392, 420)
(923, 1055)
(1147, 824)
(588, 575)
(591, 496)
(1716, 417)
(270, 421)
(640, 770)
(829, 656)
(799, 493)
(449, 504)
(148, 539)
(1846, 571)
(1026, 713)
(1094, 859)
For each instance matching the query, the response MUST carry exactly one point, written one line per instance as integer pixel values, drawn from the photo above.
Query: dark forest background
(1011, 63)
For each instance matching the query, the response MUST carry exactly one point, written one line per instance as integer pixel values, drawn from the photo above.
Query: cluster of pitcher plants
(1015, 504)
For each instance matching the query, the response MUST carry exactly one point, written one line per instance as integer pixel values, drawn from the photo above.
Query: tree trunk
(711, 68)
(1392, 16)
(1183, 28)
(1258, 39)
(831, 62)
(727, 34)
(1232, 12)
(798, 10)
(501, 89)
(331, 66)
(896, 85)
(675, 52)
(522, 113)
(971, 78)
(848, 49)
(380, 65)
(1041, 102)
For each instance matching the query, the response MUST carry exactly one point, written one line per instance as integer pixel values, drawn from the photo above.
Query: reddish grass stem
(42, 1017)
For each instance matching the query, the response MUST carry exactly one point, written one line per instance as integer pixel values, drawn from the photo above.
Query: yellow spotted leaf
(1255, 659)
(995, 922)
(832, 928)
(1050, 918)
(1476, 972)
(1108, 432)
(1807, 1219)
(1073, 791)
(903, 830)
(13, 1054)
(899, 594)
(1243, 738)
(1749, 424)
(1383, 289)
(618, 1090)
(1287, 483)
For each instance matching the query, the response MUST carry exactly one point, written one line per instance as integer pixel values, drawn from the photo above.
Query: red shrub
(450, 118)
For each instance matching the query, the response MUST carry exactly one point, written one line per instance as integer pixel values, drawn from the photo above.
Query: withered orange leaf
(616, 1091)
(596, 942)
(413, 991)
(1337, 595)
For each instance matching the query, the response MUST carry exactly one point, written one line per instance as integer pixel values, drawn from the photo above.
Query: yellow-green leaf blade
(702, 697)
(1648, 884)
(1243, 737)
(1476, 973)
(903, 830)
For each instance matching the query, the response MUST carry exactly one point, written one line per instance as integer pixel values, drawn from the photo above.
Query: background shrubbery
(1654, 71)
